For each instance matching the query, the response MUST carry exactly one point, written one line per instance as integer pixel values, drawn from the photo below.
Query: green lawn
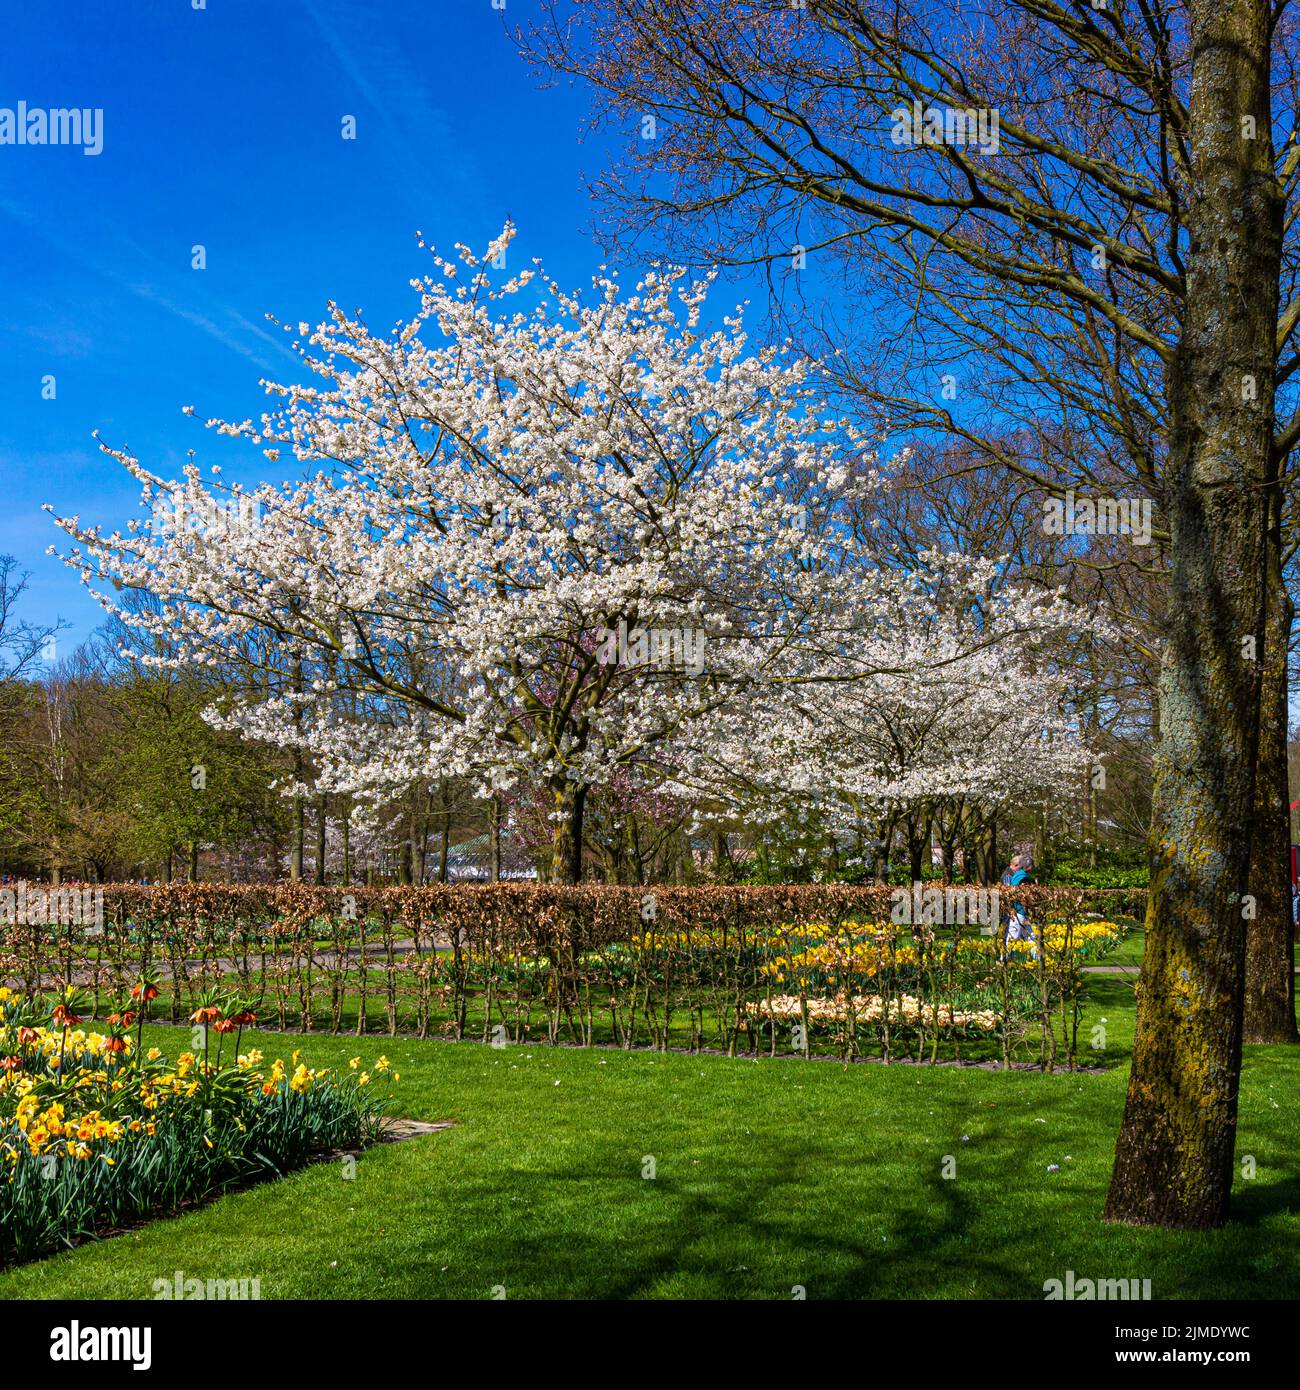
(1129, 951)
(769, 1174)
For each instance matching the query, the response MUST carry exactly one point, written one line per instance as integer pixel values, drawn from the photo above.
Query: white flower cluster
(873, 1008)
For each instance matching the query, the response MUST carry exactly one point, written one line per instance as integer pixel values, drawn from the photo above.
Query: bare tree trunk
(566, 842)
(319, 875)
(918, 842)
(1270, 974)
(296, 853)
(494, 830)
(444, 846)
(989, 869)
(722, 865)
(1174, 1157)
(298, 832)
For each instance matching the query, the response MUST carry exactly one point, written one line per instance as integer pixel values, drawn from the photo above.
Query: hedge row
(811, 969)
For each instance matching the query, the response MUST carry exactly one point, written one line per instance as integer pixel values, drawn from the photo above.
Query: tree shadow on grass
(882, 1223)
(1254, 1203)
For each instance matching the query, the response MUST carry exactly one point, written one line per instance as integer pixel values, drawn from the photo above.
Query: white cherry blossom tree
(937, 695)
(536, 536)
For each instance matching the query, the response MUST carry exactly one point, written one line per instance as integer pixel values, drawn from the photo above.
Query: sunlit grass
(769, 1174)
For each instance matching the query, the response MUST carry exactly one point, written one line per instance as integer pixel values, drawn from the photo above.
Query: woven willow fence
(815, 971)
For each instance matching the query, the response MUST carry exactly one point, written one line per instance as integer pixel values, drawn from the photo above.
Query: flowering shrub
(95, 1133)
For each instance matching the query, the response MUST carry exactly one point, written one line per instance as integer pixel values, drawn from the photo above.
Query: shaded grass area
(768, 1174)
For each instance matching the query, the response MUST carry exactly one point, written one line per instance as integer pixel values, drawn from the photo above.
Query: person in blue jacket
(1018, 926)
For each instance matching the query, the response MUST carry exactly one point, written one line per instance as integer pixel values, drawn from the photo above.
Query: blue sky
(222, 127)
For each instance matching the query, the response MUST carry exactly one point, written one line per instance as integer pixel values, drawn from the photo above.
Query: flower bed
(978, 986)
(95, 1133)
(870, 1010)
